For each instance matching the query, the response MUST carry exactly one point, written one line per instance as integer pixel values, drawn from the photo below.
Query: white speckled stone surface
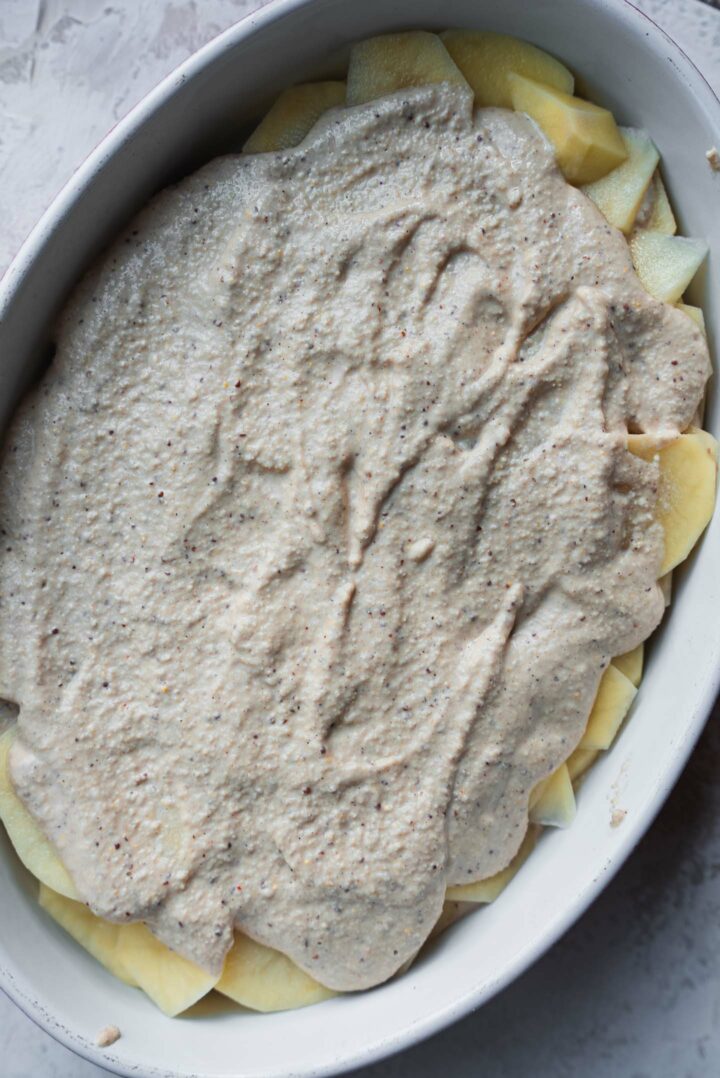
(633, 991)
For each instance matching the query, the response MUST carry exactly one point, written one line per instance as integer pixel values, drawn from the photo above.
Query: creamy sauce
(321, 530)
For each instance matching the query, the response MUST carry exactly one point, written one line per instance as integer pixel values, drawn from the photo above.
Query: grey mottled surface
(633, 991)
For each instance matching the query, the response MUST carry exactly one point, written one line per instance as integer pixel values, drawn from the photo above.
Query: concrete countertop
(633, 990)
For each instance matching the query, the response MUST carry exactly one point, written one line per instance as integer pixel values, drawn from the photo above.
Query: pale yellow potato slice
(554, 802)
(293, 116)
(484, 891)
(614, 696)
(382, 65)
(686, 491)
(99, 937)
(666, 264)
(579, 761)
(586, 138)
(619, 195)
(661, 217)
(696, 313)
(213, 1005)
(32, 847)
(172, 982)
(665, 583)
(452, 911)
(631, 664)
(486, 59)
(133, 954)
(266, 980)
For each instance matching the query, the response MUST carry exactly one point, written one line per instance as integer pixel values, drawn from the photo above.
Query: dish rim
(11, 285)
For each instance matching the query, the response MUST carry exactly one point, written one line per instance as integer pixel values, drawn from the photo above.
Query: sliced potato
(266, 980)
(133, 954)
(32, 847)
(666, 264)
(665, 583)
(686, 491)
(382, 65)
(452, 911)
(586, 138)
(486, 59)
(696, 313)
(293, 115)
(614, 696)
(554, 805)
(171, 982)
(483, 891)
(99, 937)
(631, 664)
(579, 761)
(661, 217)
(619, 195)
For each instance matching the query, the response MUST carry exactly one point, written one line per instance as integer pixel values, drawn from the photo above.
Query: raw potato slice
(686, 491)
(586, 138)
(665, 583)
(452, 911)
(266, 980)
(100, 938)
(666, 264)
(555, 805)
(619, 195)
(293, 115)
(34, 850)
(579, 761)
(631, 664)
(486, 60)
(696, 313)
(382, 65)
(483, 891)
(614, 696)
(171, 982)
(661, 217)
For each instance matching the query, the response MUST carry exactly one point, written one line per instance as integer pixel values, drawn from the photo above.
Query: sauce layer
(320, 531)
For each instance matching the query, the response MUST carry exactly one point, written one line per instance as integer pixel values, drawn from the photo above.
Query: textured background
(633, 991)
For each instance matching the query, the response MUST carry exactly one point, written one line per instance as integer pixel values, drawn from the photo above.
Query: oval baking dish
(205, 108)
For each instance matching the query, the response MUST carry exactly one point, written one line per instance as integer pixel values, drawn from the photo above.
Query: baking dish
(624, 62)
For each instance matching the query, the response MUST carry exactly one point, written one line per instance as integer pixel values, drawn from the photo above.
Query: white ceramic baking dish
(626, 63)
